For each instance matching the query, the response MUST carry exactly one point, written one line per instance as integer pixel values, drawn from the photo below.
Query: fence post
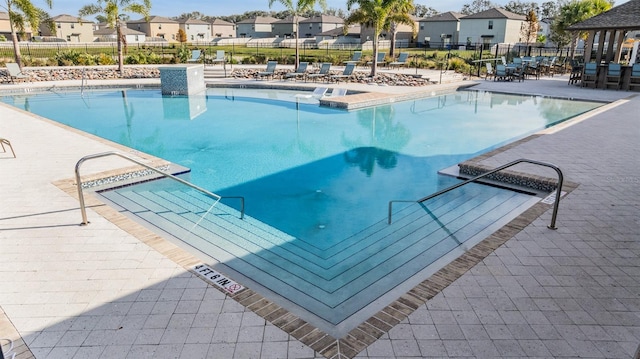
(479, 62)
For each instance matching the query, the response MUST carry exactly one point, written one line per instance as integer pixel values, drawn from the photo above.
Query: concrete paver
(99, 292)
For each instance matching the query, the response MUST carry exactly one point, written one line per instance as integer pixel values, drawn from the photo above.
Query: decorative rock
(73, 73)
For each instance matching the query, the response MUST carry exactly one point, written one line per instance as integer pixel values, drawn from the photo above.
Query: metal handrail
(497, 169)
(165, 174)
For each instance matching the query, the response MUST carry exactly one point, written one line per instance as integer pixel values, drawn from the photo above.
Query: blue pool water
(317, 182)
(301, 167)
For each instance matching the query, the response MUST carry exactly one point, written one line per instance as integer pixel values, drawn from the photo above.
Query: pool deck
(100, 291)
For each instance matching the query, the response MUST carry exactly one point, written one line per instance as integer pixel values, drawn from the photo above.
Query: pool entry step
(331, 282)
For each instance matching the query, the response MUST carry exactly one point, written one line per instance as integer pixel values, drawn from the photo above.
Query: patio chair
(614, 75)
(300, 72)
(575, 73)
(269, 71)
(195, 56)
(355, 58)
(15, 73)
(220, 58)
(634, 79)
(501, 73)
(490, 72)
(590, 75)
(348, 71)
(379, 59)
(324, 72)
(4, 141)
(401, 61)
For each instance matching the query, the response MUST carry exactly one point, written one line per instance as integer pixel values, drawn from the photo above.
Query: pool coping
(367, 332)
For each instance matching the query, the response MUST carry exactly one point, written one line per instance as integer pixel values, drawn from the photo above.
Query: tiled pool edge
(370, 330)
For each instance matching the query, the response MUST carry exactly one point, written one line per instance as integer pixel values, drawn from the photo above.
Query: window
(73, 26)
(421, 26)
(59, 26)
(159, 26)
(187, 26)
(191, 37)
(490, 24)
(137, 39)
(68, 37)
(173, 37)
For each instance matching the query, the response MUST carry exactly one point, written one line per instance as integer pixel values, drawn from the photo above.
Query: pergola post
(588, 46)
(610, 53)
(601, 38)
(620, 45)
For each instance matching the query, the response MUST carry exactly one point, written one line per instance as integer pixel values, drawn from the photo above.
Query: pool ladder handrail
(164, 174)
(498, 169)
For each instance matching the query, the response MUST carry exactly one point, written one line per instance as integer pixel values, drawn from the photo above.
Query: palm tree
(379, 15)
(301, 7)
(577, 11)
(113, 12)
(21, 13)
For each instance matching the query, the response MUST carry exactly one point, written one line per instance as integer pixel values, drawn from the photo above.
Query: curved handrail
(497, 169)
(165, 174)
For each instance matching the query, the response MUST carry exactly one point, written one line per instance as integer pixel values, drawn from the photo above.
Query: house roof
(154, 19)
(325, 19)
(259, 20)
(222, 22)
(445, 16)
(194, 21)
(67, 18)
(4, 16)
(290, 20)
(624, 16)
(495, 13)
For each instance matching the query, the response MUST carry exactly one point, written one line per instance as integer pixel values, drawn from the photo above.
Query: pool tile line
(367, 332)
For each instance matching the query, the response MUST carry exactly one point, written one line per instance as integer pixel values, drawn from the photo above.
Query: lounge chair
(324, 72)
(337, 92)
(269, 71)
(614, 75)
(401, 61)
(220, 58)
(4, 141)
(379, 59)
(348, 71)
(490, 72)
(195, 56)
(299, 72)
(319, 92)
(634, 79)
(590, 75)
(355, 58)
(15, 73)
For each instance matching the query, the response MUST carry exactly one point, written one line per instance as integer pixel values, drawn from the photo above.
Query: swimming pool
(316, 180)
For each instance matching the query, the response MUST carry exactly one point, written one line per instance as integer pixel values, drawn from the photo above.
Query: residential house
(107, 34)
(440, 30)
(258, 27)
(490, 27)
(221, 28)
(196, 30)
(69, 28)
(286, 27)
(158, 28)
(319, 24)
(5, 28)
(404, 34)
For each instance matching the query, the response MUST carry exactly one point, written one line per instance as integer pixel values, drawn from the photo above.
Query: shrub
(67, 58)
(183, 54)
(87, 59)
(104, 59)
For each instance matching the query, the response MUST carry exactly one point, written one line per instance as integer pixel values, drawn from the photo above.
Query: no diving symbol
(234, 288)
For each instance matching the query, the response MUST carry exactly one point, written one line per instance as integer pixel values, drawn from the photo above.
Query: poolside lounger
(300, 72)
(195, 56)
(355, 58)
(490, 72)
(348, 70)
(379, 59)
(269, 71)
(324, 72)
(402, 60)
(15, 73)
(337, 92)
(4, 141)
(319, 92)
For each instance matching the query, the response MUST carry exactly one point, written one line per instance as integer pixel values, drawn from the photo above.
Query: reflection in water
(387, 137)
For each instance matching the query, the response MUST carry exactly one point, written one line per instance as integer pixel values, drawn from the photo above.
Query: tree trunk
(120, 55)
(393, 32)
(14, 38)
(297, 61)
(374, 63)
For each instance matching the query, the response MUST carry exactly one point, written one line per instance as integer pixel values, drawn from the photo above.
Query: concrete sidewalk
(68, 291)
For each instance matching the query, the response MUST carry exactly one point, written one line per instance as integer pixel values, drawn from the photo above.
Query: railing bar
(498, 169)
(113, 153)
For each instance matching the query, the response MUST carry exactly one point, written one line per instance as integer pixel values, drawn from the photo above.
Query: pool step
(321, 280)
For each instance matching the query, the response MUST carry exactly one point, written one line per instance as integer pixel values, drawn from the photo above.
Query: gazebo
(610, 30)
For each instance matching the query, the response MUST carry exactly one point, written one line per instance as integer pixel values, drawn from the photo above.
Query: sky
(169, 8)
